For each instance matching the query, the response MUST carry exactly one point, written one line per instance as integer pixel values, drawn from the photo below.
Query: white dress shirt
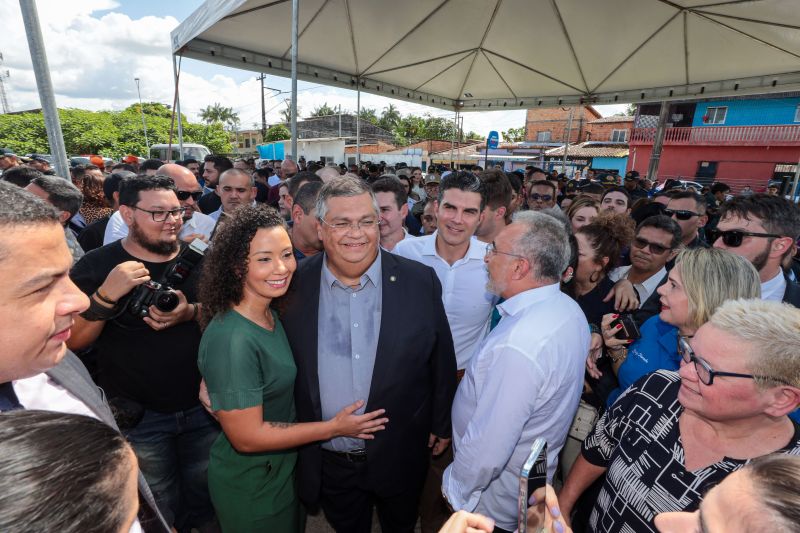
(524, 382)
(41, 392)
(199, 223)
(467, 303)
(645, 288)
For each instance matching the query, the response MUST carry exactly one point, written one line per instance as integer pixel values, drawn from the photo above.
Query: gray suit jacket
(73, 376)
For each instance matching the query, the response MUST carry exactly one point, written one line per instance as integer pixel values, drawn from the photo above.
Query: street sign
(493, 139)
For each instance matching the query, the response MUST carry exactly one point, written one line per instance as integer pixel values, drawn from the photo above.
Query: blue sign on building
(492, 140)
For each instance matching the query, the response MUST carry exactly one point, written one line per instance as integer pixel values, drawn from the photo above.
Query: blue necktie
(8, 398)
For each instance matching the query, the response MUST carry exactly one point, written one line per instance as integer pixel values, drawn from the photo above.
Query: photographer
(148, 366)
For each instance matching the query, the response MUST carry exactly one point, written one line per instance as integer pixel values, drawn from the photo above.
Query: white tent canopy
(510, 54)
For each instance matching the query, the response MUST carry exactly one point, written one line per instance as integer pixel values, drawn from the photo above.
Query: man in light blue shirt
(525, 379)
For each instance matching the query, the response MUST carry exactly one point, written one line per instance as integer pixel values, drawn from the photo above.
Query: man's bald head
(185, 185)
(328, 173)
(288, 169)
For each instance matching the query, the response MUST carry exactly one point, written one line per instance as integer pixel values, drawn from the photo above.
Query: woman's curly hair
(609, 234)
(225, 264)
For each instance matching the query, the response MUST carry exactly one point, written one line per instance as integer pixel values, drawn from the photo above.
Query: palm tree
(218, 113)
(390, 117)
(286, 114)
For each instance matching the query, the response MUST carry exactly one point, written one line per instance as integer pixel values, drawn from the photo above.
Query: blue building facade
(748, 112)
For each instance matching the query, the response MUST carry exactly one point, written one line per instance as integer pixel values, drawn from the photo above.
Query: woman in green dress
(249, 373)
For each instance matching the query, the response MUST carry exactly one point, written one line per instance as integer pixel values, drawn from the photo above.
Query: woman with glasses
(249, 374)
(673, 435)
(701, 281)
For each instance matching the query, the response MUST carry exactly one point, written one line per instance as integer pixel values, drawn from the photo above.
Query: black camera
(162, 294)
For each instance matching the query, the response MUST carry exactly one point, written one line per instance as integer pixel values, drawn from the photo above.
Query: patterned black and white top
(638, 440)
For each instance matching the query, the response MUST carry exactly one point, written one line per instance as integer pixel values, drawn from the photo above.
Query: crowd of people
(221, 345)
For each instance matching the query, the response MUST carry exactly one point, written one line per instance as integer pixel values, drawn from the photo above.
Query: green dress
(245, 365)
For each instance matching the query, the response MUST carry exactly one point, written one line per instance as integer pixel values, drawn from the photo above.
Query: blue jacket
(657, 349)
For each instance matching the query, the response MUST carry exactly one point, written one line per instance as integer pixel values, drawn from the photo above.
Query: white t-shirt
(199, 223)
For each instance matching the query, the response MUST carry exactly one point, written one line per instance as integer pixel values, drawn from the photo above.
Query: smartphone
(630, 330)
(533, 480)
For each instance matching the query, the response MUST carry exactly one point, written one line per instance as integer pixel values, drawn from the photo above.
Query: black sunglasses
(734, 238)
(655, 248)
(543, 197)
(681, 214)
(184, 195)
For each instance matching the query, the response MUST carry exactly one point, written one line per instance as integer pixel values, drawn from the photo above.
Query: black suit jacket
(73, 376)
(414, 377)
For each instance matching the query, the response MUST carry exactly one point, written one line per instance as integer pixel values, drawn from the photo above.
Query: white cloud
(94, 54)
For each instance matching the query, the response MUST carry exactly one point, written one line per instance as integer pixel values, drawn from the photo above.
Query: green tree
(286, 114)
(367, 114)
(278, 132)
(323, 110)
(389, 118)
(439, 128)
(108, 133)
(514, 135)
(218, 113)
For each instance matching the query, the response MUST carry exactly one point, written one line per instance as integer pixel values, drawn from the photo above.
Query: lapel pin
(392, 278)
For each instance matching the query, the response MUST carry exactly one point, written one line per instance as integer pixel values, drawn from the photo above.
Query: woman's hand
(595, 351)
(545, 499)
(464, 522)
(347, 424)
(609, 332)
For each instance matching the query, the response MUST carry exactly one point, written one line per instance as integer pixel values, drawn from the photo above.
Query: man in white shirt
(393, 205)
(656, 242)
(36, 370)
(236, 187)
(525, 379)
(457, 258)
(196, 225)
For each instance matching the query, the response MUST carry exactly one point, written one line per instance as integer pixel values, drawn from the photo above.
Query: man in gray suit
(38, 302)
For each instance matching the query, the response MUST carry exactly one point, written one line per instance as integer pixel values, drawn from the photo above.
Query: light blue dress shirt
(349, 325)
(523, 382)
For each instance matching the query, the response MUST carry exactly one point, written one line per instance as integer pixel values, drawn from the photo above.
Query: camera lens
(166, 301)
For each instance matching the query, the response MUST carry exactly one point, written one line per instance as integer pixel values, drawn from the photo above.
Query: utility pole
(41, 70)
(144, 124)
(566, 141)
(3, 97)
(263, 113)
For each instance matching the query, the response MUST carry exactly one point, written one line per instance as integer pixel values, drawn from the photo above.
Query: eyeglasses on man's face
(535, 196)
(655, 248)
(185, 195)
(681, 214)
(491, 249)
(161, 216)
(342, 226)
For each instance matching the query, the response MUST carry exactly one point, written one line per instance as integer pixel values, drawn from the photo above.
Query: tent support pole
(658, 142)
(453, 141)
(295, 9)
(567, 140)
(358, 124)
(177, 109)
(44, 84)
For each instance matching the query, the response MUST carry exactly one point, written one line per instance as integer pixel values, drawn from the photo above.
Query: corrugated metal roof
(617, 118)
(581, 150)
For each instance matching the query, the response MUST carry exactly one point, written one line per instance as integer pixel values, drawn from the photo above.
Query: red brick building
(550, 124)
(616, 129)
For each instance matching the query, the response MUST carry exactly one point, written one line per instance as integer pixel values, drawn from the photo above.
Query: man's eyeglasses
(364, 225)
(655, 248)
(543, 197)
(161, 216)
(734, 238)
(184, 195)
(681, 214)
(491, 249)
(704, 371)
